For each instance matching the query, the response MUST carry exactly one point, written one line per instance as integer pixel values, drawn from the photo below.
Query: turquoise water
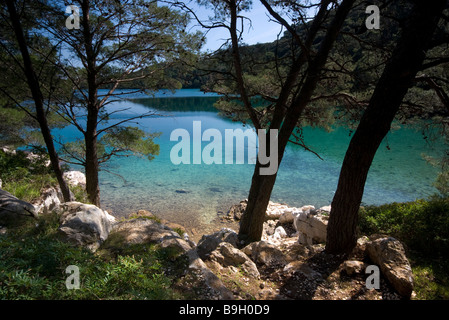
(193, 194)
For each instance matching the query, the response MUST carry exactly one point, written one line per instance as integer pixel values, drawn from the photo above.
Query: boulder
(307, 208)
(280, 233)
(237, 210)
(353, 267)
(75, 178)
(289, 214)
(227, 255)
(142, 230)
(50, 199)
(209, 243)
(14, 210)
(389, 254)
(325, 209)
(312, 228)
(275, 210)
(265, 253)
(84, 224)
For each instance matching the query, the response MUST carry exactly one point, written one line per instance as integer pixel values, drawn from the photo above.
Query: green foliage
(124, 140)
(25, 176)
(80, 193)
(117, 141)
(423, 225)
(33, 262)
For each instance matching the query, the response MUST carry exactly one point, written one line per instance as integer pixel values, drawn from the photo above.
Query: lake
(195, 194)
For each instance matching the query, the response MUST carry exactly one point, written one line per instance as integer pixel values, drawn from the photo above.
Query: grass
(431, 280)
(25, 178)
(33, 262)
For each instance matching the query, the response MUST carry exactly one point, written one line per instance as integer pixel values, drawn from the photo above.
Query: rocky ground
(288, 263)
(302, 272)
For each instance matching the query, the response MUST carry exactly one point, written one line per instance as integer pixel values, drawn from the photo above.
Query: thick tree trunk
(36, 92)
(91, 166)
(90, 136)
(397, 77)
(251, 225)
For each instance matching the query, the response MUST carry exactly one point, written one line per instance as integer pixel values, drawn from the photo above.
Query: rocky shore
(288, 263)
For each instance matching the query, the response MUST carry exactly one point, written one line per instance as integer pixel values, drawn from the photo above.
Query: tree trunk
(91, 168)
(251, 225)
(90, 136)
(36, 92)
(394, 83)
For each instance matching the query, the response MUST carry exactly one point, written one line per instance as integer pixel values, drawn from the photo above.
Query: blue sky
(261, 30)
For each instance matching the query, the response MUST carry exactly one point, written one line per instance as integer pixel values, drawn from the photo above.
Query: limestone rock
(389, 254)
(209, 243)
(326, 209)
(312, 227)
(227, 255)
(85, 224)
(353, 267)
(265, 253)
(50, 199)
(14, 210)
(307, 208)
(142, 230)
(280, 233)
(237, 210)
(289, 214)
(75, 178)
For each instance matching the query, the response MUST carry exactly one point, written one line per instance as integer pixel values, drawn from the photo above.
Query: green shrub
(25, 178)
(33, 261)
(422, 224)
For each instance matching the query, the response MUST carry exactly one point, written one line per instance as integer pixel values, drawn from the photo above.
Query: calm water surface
(193, 195)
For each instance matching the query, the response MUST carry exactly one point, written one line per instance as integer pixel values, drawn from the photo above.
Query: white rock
(389, 254)
(312, 228)
(307, 207)
(75, 178)
(273, 213)
(280, 233)
(49, 200)
(84, 224)
(287, 216)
